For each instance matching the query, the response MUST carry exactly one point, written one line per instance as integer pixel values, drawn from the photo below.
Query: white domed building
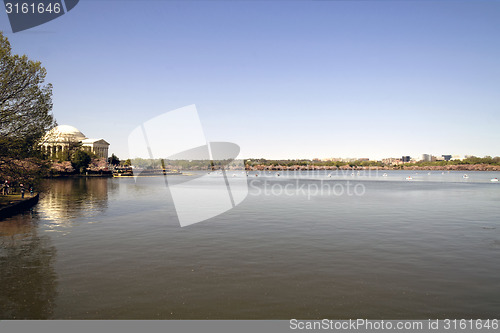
(60, 139)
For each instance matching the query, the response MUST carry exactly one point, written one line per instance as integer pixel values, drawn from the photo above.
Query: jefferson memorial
(59, 139)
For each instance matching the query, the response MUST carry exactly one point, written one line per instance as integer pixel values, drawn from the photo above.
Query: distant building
(406, 159)
(446, 157)
(426, 158)
(58, 141)
(392, 161)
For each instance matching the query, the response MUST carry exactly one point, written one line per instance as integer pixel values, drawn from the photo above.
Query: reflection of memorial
(27, 277)
(70, 198)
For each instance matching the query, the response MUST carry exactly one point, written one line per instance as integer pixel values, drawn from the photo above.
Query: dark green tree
(81, 160)
(114, 160)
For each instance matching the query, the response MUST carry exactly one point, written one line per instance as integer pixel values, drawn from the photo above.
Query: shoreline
(79, 176)
(454, 167)
(18, 206)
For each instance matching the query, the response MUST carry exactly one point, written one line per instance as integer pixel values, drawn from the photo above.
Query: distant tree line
(305, 162)
(159, 163)
(289, 163)
(468, 161)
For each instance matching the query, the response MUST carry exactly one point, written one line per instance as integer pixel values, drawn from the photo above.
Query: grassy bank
(6, 200)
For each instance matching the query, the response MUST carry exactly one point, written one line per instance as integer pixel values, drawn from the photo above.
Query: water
(112, 249)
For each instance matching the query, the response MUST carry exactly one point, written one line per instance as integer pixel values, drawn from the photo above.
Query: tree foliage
(25, 102)
(114, 160)
(81, 160)
(25, 113)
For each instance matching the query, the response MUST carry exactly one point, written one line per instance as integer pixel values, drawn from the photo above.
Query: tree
(25, 113)
(114, 160)
(81, 160)
(97, 164)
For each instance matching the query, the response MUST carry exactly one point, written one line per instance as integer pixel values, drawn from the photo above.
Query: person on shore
(31, 190)
(21, 188)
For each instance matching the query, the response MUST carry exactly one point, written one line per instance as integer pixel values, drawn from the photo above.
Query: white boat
(494, 179)
(409, 178)
(384, 175)
(465, 177)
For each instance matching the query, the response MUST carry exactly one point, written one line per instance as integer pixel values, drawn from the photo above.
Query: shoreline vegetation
(467, 167)
(469, 164)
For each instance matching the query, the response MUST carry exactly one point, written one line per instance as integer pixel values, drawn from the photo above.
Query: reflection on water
(27, 277)
(68, 199)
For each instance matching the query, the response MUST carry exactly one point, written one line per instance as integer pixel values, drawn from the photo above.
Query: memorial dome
(64, 133)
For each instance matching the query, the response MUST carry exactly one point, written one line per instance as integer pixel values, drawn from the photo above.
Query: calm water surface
(113, 249)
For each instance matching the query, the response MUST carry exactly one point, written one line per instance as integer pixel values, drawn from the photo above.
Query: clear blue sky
(281, 79)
